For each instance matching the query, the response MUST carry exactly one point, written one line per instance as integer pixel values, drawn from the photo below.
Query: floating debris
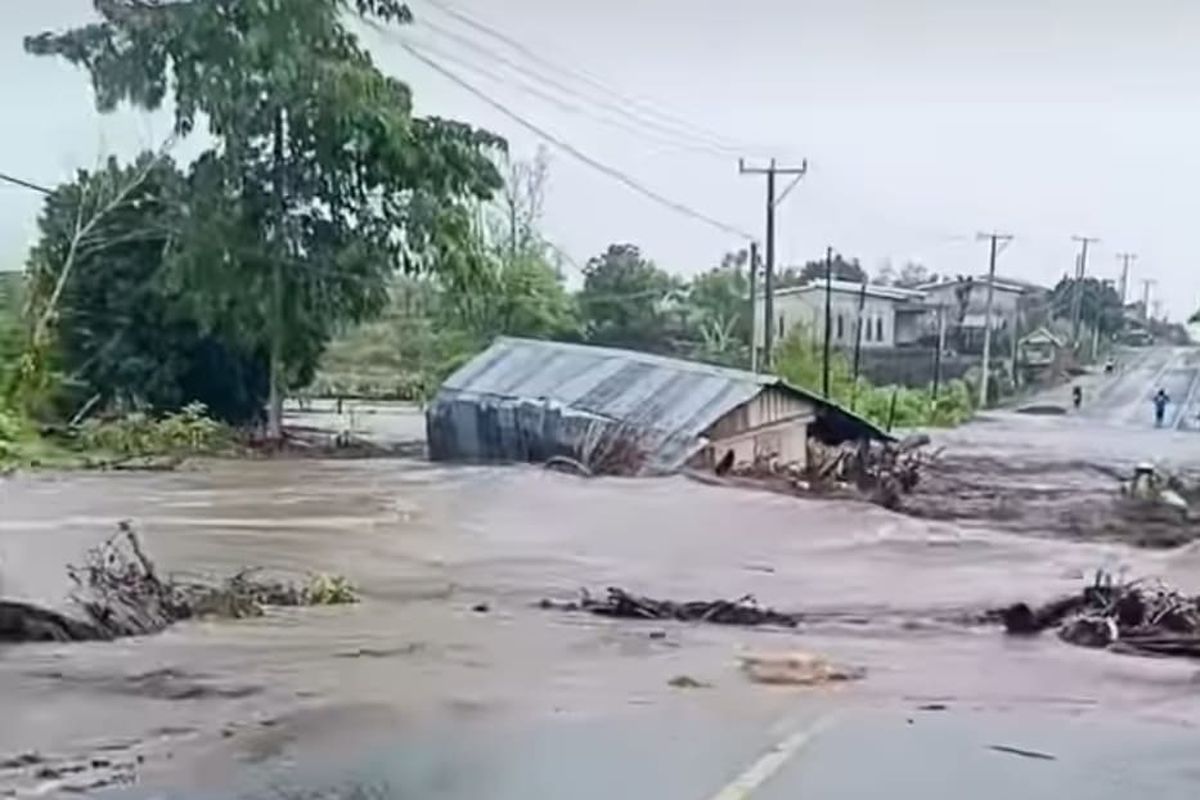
(620, 603)
(1131, 617)
(797, 668)
(118, 592)
(1021, 751)
(688, 682)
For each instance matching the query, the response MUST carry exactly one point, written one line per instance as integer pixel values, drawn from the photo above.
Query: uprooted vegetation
(622, 604)
(881, 472)
(118, 591)
(1131, 617)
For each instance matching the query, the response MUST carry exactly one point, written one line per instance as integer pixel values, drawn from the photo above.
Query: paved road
(1125, 398)
(885, 754)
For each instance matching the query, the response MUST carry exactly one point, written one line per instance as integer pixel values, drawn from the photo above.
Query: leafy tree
(624, 301)
(320, 181)
(124, 335)
(516, 290)
(1099, 304)
(910, 276)
(719, 301)
(840, 268)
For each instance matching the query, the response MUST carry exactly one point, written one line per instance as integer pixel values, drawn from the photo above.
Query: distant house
(964, 303)
(1041, 349)
(526, 400)
(891, 316)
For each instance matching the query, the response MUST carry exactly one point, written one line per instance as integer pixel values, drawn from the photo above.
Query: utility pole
(769, 279)
(1146, 284)
(828, 320)
(941, 347)
(753, 303)
(858, 331)
(1080, 272)
(1125, 259)
(995, 239)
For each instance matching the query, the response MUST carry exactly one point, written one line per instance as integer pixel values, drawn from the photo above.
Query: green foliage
(718, 302)
(910, 276)
(799, 361)
(625, 301)
(12, 299)
(123, 333)
(840, 268)
(329, 590)
(320, 182)
(189, 431)
(1099, 304)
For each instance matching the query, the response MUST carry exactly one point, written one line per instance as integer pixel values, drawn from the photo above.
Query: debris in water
(620, 603)
(1126, 617)
(796, 668)
(118, 592)
(688, 682)
(1020, 751)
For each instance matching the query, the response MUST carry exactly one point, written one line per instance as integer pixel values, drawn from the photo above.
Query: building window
(865, 324)
(780, 326)
(840, 332)
(879, 329)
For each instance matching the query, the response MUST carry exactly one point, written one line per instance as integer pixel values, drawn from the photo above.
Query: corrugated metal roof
(665, 394)
(671, 400)
(850, 287)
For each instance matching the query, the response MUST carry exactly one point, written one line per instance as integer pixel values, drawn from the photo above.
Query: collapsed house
(620, 411)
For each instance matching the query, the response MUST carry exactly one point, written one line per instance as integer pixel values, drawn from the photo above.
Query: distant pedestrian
(1077, 396)
(1160, 407)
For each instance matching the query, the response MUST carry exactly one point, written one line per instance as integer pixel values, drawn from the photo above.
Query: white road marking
(771, 761)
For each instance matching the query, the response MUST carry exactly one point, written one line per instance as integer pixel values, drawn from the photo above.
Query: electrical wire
(24, 183)
(577, 105)
(640, 125)
(649, 109)
(562, 144)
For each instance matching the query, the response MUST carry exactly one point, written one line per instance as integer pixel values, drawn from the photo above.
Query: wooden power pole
(771, 172)
(1077, 299)
(1125, 258)
(995, 239)
(753, 304)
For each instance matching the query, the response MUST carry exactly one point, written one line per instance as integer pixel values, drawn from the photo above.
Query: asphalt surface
(869, 754)
(1126, 398)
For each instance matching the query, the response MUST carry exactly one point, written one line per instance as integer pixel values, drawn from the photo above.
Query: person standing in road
(1160, 407)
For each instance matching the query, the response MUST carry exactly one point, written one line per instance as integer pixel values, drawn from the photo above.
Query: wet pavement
(412, 693)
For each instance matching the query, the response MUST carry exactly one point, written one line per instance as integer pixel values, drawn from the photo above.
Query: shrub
(189, 430)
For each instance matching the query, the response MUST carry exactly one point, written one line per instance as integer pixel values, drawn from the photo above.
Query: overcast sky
(923, 122)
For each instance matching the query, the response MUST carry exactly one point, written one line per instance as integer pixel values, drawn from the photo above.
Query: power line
(25, 184)
(641, 125)
(565, 146)
(668, 139)
(651, 109)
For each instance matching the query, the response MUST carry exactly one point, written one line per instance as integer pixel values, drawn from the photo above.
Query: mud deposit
(452, 563)
(1058, 478)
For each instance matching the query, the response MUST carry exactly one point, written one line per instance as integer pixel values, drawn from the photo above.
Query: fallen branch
(118, 591)
(622, 604)
(1124, 617)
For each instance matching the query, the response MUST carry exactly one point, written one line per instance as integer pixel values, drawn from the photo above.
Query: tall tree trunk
(275, 399)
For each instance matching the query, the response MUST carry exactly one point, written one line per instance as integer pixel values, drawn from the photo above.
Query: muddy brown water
(426, 544)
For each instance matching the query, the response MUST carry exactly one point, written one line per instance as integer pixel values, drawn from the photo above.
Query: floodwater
(452, 697)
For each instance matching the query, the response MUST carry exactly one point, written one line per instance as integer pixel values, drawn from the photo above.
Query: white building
(891, 316)
(972, 292)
